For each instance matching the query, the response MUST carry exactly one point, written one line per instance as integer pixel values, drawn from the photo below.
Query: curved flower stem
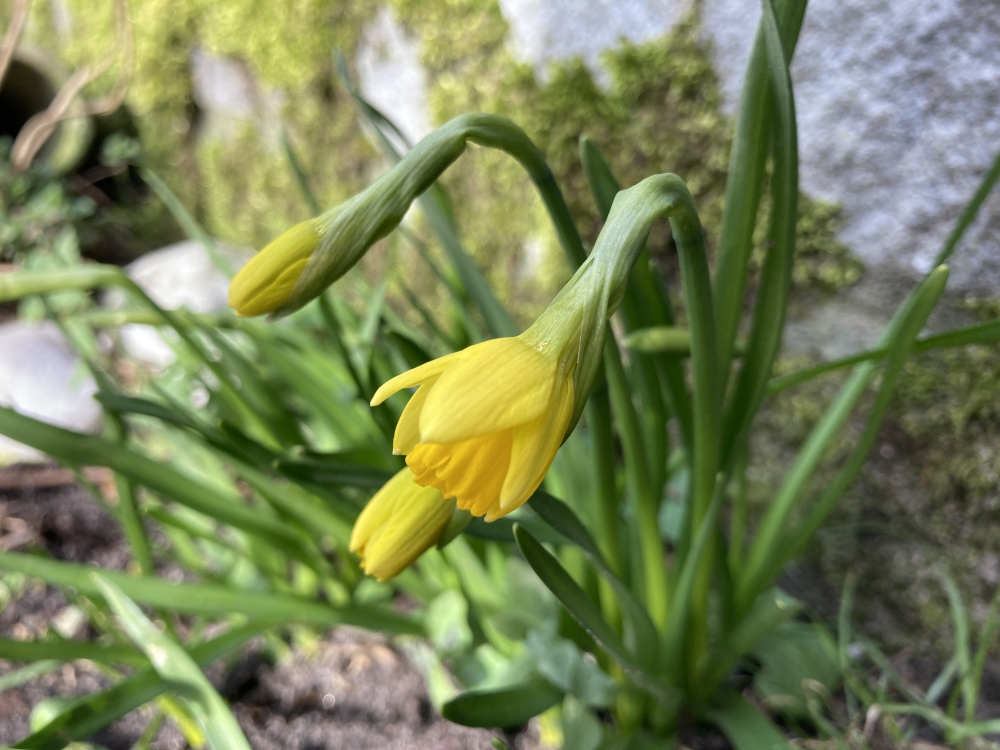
(376, 211)
(620, 243)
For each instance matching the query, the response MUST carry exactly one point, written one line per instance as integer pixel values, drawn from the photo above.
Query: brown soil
(350, 690)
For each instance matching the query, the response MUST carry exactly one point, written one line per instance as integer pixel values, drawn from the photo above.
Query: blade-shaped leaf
(746, 728)
(92, 713)
(579, 605)
(505, 707)
(177, 667)
(209, 599)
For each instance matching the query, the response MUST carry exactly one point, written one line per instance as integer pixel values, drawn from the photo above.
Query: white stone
(898, 105)
(183, 275)
(42, 377)
(391, 77)
(543, 31)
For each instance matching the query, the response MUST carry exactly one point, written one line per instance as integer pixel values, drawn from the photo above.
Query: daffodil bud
(300, 264)
(265, 283)
(485, 423)
(401, 522)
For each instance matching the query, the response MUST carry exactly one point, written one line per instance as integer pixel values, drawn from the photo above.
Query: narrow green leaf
(21, 284)
(504, 707)
(579, 605)
(660, 340)
(963, 649)
(186, 221)
(31, 672)
(772, 608)
(91, 713)
(981, 333)
(745, 177)
(177, 667)
(65, 650)
(746, 728)
(640, 634)
(773, 544)
(970, 212)
(209, 599)
(77, 449)
(300, 175)
(769, 312)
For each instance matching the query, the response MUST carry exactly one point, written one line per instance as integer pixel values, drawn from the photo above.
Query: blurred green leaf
(506, 707)
(177, 667)
(209, 599)
(84, 716)
(66, 650)
(792, 653)
(745, 727)
(562, 663)
(31, 672)
(581, 729)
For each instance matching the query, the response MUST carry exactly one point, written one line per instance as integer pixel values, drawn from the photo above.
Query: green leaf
(91, 713)
(64, 650)
(746, 728)
(581, 729)
(747, 160)
(177, 667)
(330, 470)
(640, 633)
(210, 599)
(26, 674)
(793, 653)
(447, 621)
(562, 663)
(584, 611)
(981, 333)
(772, 608)
(77, 449)
(768, 319)
(773, 543)
(505, 707)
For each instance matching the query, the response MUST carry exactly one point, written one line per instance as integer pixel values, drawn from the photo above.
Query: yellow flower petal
(534, 447)
(398, 525)
(472, 471)
(497, 385)
(407, 433)
(418, 375)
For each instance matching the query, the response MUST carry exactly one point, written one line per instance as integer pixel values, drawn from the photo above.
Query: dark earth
(350, 690)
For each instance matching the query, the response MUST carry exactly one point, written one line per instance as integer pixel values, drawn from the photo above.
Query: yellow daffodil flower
(401, 522)
(485, 423)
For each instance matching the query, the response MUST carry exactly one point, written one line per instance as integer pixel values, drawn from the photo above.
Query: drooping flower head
(485, 423)
(401, 522)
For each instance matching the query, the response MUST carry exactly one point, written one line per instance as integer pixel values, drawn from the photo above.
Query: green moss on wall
(660, 112)
(239, 188)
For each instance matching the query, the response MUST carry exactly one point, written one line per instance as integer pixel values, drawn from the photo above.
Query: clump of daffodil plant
(527, 472)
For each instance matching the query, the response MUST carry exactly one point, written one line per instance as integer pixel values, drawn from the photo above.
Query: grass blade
(776, 276)
(64, 650)
(176, 666)
(746, 173)
(773, 546)
(207, 599)
(583, 610)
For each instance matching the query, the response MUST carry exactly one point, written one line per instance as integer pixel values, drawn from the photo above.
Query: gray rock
(41, 377)
(391, 76)
(182, 275)
(898, 106)
(542, 31)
